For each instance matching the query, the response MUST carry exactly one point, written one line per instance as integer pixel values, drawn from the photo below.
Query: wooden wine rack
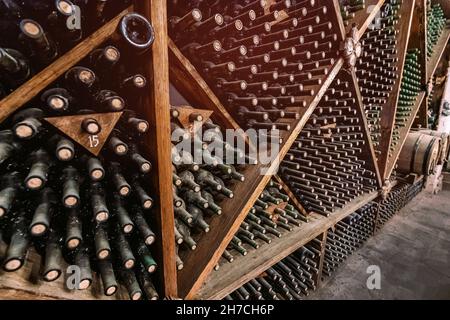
(166, 64)
(23, 284)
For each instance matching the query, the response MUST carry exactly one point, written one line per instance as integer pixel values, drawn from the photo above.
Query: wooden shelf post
(156, 109)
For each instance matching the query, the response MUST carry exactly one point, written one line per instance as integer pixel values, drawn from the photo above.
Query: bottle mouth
(65, 7)
(137, 31)
(31, 28)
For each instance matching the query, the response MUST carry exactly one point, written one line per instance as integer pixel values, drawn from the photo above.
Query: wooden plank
(363, 18)
(390, 108)
(200, 264)
(156, 109)
(336, 19)
(188, 81)
(439, 49)
(403, 133)
(26, 283)
(322, 259)
(292, 196)
(418, 40)
(371, 157)
(233, 275)
(31, 88)
(418, 35)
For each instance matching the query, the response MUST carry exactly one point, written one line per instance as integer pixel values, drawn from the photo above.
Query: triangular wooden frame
(71, 127)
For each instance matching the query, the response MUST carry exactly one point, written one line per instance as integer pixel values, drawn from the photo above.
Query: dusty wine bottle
(144, 199)
(41, 48)
(102, 247)
(82, 261)
(123, 218)
(109, 281)
(18, 246)
(43, 213)
(38, 175)
(120, 183)
(27, 123)
(145, 256)
(57, 99)
(128, 278)
(146, 283)
(15, 69)
(123, 250)
(145, 232)
(10, 184)
(64, 149)
(53, 260)
(74, 234)
(71, 187)
(99, 208)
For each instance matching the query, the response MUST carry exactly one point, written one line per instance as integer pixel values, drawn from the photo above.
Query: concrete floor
(412, 251)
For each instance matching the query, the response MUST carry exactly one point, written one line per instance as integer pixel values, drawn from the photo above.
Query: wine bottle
(145, 232)
(123, 250)
(129, 280)
(14, 67)
(10, 184)
(53, 261)
(121, 186)
(38, 175)
(123, 218)
(145, 257)
(18, 246)
(74, 233)
(28, 123)
(99, 208)
(43, 214)
(81, 259)
(8, 147)
(71, 187)
(108, 277)
(41, 48)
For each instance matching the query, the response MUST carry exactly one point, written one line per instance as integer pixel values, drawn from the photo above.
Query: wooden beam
(200, 264)
(418, 40)
(156, 109)
(244, 268)
(35, 85)
(188, 81)
(370, 156)
(322, 258)
(363, 18)
(336, 19)
(390, 108)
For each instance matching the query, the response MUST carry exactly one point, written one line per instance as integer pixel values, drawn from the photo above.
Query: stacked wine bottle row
(75, 208)
(410, 89)
(349, 8)
(260, 58)
(347, 236)
(271, 217)
(436, 22)
(297, 275)
(200, 188)
(290, 279)
(35, 33)
(377, 69)
(325, 169)
(393, 203)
